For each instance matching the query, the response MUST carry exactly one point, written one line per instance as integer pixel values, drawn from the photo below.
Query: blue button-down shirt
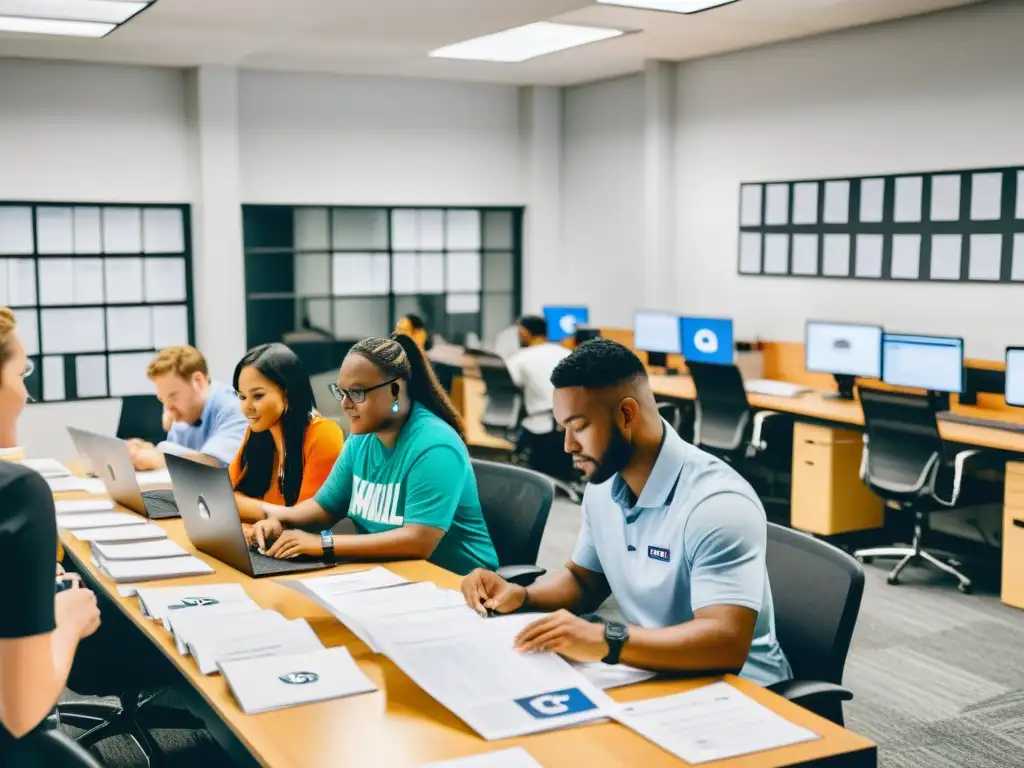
(696, 537)
(220, 429)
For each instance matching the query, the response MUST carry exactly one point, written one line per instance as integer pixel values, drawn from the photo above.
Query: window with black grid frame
(96, 290)
(352, 272)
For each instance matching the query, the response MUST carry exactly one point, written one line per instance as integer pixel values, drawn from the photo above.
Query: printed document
(79, 522)
(157, 602)
(47, 467)
(497, 691)
(295, 636)
(157, 568)
(323, 588)
(69, 484)
(607, 676)
(147, 532)
(198, 618)
(517, 757)
(137, 550)
(263, 684)
(69, 507)
(710, 723)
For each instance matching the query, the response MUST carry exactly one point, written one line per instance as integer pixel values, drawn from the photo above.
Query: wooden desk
(400, 725)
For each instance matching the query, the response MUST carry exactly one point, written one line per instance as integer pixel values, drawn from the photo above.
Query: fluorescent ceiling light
(54, 26)
(109, 11)
(672, 6)
(525, 42)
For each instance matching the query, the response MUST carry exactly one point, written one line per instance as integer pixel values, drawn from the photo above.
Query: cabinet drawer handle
(1018, 523)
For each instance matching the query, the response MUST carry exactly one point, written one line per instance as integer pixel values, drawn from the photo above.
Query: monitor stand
(845, 385)
(939, 401)
(659, 360)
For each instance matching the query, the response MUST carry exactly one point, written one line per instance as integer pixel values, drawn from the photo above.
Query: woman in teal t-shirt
(403, 477)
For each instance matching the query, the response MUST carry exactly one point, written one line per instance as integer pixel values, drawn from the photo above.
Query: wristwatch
(616, 635)
(327, 542)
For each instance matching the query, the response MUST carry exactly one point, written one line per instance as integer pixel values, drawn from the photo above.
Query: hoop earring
(394, 407)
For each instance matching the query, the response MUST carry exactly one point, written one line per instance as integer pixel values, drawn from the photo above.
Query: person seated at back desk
(413, 326)
(530, 369)
(676, 535)
(201, 416)
(289, 448)
(404, 476)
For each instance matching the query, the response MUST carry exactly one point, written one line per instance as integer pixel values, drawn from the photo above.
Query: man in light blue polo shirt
(203, 419)
(676, 535)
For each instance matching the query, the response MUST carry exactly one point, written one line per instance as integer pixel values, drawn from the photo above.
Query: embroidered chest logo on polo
(659, 553)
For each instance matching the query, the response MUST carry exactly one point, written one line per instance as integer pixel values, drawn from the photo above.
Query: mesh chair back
(503, 409)
(515, 503)
(723, 413)
(141, 416)
(904, 446)
(816, 590)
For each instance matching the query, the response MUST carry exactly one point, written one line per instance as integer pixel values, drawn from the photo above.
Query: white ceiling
(392, 37)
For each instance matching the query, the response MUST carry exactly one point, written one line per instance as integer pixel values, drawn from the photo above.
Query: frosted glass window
(55, 230)
(776, 207)
(431, 272)
(312, 274)
(1017, 265)
(498, 314)
(21, 282)
(499, 230)
(128, 374)
(463, 231)
(311, 229)
(946, 250)
(28, 329)
(463, 272)
(906, 257)
(123, 280)
(908, 198)
(837, 202)
(56, 282)
(88, 280)
(366, 229)
(986, 257)
(835, 261)
(404, 273)
(73, 330)
(805, 254)
(869, 256)
(88, 238)
(170, 326)
(750, 253)
(776, 254)
(872, 200)
(91, 375)
(805, 203)
(750, 205)
(987, 196)
(499, 273)
(122, 230)
(360, 274)
(404, 230)
(431, 235)
(53, 378)
(16, 230)
(359, 318)
(165, 279)
(462, 303)
(163, 230)
(129, 328)
(946, 198)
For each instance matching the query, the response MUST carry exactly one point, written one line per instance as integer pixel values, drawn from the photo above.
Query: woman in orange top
(289, 448)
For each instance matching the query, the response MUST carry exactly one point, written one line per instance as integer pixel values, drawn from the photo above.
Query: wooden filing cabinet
(1013, 536)
(828, 496)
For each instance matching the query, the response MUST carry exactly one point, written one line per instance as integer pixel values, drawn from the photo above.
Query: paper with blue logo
(473, 670)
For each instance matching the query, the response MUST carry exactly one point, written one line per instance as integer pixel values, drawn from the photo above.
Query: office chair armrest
(757, 443)
(523, 575)
(61, 749)
(960, 462)
(800, 691)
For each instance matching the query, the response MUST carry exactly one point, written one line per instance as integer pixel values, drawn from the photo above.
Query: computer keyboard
(772, 388)
(265, 565)
(160, 504)
(974, 421)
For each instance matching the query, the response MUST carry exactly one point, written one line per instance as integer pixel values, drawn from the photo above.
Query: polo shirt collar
(208, 405)
(662, 481)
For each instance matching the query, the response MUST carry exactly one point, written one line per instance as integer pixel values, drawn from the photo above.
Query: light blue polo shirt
(696, 537)
(220, 429)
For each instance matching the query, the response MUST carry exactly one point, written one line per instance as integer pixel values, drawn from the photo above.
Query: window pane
(21, 282)
(163, 230)
(404, 273)
(431, 273)
(404, 230)
(73, 330)
(16, 230)
(312, 274)
(88, 281)
(28, 329)
(311, 229)
(165, 279)
(498, 314)
(122, 230)
(55, 230)
(91, 376)
(463, 272)
(358, 318)
(53, 378)
(431, 230)
(129, 328)
(498, 234)
(123, 282)
(359, 228)
(360, 274)
(87, 231)
(170, 326)
(128, 374)
(56, 281)
(498, 271)
(463, 231)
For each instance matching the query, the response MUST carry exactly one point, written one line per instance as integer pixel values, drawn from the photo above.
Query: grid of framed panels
(943, 226)
(96, 289)
(351, 272)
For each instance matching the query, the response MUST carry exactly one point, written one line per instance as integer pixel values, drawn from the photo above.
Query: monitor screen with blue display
(935, 363)
(656, 332)
(563, 321)
(707, 340)
(1015, 376)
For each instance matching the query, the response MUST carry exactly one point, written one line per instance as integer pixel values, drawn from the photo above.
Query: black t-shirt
(28, 556)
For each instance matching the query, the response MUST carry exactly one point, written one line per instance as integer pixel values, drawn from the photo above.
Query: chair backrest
(55, 749)
(816, 590)
(904, 448)
(723, 413)
(445, 375)
(503, 409)
(141, 416)
(515, 503)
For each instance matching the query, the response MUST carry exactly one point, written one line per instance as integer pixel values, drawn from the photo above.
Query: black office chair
(515, 503)
(141, 416)
(53, 748)
(816, 589)
(905, 463)
(504, 408)
(446, 375)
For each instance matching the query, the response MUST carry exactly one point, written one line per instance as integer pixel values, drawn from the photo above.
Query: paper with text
(295, 636)
(182, 622)
(69, 507)
(157, 602)
(138, 550)
(154, 569)
(147, 532)
(517, 757)
(607, 676)
(79, 522)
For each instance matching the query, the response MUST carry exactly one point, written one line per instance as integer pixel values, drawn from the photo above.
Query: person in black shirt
(39, 632)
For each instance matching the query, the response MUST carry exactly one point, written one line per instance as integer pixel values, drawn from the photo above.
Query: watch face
(615, 631)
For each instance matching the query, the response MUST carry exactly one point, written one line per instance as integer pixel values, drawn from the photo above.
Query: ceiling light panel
(78, 18)
(672, 6)
(54, 26)
(526, 42)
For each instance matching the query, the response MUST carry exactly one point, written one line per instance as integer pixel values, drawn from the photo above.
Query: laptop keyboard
(160, 504)
(264, 565)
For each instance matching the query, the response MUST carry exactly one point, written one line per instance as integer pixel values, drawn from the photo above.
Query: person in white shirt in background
(531, 368)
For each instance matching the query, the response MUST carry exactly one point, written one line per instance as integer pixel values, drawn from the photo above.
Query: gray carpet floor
(938, 676)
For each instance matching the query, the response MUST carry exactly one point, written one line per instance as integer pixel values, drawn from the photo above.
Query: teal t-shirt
(426, 479)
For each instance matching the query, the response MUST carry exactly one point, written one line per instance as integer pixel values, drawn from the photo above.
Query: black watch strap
(616, 635)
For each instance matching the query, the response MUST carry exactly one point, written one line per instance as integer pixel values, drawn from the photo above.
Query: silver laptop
(109, 459)
(206, 500)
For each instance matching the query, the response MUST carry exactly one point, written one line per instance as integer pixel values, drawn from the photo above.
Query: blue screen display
(707, 340)
(563, 321)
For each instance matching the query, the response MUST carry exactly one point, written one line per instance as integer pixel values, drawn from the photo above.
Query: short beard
(614, 459)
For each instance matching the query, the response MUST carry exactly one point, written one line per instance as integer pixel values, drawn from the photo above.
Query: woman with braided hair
(404, 476)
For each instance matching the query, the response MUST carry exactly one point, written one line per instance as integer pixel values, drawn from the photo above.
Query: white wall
(936, 92)
(602, 201)
(307, 138)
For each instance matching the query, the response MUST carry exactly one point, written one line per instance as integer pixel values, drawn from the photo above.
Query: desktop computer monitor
(845, 350)
(563, 321)
(657, 334)
(1015, 376)
(707, 340)
(935, 363)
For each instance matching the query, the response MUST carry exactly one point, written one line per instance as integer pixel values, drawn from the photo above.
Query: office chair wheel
(965, 588)
(892, 579)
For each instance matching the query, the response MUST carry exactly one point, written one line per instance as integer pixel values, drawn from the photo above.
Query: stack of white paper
(295, 636)
(153, 477)
(323, 588)
(154, 569)
(68, 507)
(138, 550)
(68, 484)
(185, 621)
(48, 468)
(607, 676)
(497, 691)
(92, 485)
(517, 757)
(714, 722)
(123, 533)
(79, 522)
(157, 602)
(286, 680)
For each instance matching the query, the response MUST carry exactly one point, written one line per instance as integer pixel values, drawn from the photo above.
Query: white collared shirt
(531, 369)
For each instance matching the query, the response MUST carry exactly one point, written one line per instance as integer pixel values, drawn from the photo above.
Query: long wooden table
(400, 725)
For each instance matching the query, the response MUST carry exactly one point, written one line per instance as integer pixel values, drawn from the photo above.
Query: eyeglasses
(357, 396)
(30, 368)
